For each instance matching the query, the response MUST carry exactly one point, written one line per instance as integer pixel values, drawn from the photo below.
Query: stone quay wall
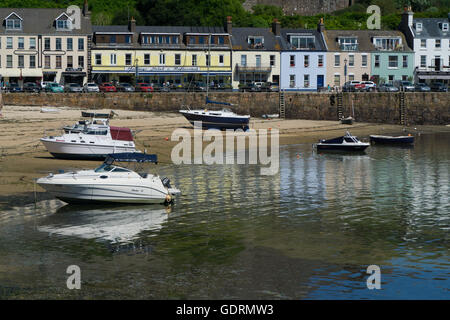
(420, 108)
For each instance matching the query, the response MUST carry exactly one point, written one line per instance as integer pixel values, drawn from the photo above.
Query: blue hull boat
(222, 120)
(401, 140)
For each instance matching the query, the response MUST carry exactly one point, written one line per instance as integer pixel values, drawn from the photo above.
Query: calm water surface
(307, 233)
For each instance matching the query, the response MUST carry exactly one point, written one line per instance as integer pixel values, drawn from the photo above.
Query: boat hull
(212, 122)
(68, 150)
(392, 140)
(347, 148)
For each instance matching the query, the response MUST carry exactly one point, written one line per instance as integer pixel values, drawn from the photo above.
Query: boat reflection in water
(114, 224)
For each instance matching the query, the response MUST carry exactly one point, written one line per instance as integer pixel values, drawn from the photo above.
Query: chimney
(321, 26)
(132, 25)
(276, 27)
(229, 25)
(407, 18)
(86, 11)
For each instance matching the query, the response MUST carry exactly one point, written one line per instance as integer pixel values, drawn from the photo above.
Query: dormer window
(255, 42)
(13, 22)
(445, 27)
(302, 42)
(387, 43)
(63, 22)
(419, 26)
(348, 43)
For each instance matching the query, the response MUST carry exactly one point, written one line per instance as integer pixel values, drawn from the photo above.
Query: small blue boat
(401, 140)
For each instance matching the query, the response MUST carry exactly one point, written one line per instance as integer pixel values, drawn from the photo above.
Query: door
(320, 81)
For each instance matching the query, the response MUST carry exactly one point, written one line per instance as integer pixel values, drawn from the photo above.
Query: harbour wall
(420, 108)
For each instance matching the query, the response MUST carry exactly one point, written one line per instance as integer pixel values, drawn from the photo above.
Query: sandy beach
(23, 158)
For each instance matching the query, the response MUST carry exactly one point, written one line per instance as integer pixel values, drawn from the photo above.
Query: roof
(239, 39)
(430, 28)
(320, 44)
(41, 21)
(364, 37)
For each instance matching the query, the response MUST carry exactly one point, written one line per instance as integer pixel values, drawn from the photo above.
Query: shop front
(20, 76)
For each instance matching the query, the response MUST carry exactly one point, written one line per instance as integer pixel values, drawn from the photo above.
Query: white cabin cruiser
(111, 183)
(92, 143)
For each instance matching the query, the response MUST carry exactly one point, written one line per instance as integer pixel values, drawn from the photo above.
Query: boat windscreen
(335, 140)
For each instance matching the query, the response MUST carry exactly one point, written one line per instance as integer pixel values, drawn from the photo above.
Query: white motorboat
(111, 183)
(83, 125)
(92, 143)
(347, 143)
(217, 119)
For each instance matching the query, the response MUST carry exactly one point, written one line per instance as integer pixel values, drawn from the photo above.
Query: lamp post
(136, 70)
(345, 70)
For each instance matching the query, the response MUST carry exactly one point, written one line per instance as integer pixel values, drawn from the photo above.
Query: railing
(253, 68)
(348, 47)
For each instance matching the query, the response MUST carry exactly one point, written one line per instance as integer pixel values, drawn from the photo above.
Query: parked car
(144, 87)
(73, 87)
(249, 87)
(31, 87)
(125, 87)
(14, 87)
(44, 84)
(54, 87)
(388, 87)
(175, 86)
(91, 87)
(199, 86)
(369, 86)
(268, 87)
(422, 87)
(404, 85)
(224, 87)
(107, 87)
(439, 87)
(159, 87)
(353, 86)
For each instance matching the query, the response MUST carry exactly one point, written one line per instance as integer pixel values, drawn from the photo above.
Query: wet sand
(23, 158)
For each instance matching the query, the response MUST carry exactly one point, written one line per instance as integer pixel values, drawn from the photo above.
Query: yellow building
(176, 55)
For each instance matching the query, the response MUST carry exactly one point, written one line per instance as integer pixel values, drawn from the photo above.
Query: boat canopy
(131, 157)
(218, 102)
(123, 134)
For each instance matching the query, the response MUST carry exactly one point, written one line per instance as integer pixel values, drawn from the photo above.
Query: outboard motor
(166, 182)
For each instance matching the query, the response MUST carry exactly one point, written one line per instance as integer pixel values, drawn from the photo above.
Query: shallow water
(309, 232)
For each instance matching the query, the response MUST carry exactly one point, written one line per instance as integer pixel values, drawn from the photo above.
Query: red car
(144, 87)
(107, 87)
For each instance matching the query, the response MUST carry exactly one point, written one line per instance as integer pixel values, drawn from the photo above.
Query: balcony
(255, 68)
(348, 47)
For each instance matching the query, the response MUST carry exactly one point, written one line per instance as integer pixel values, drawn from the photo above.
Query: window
(58, 62)
(32, 43)
(21, 61)
(80, 44)
(221, 60)
(364, 60)
(445, 27)
(306, 62)
(292, 81)
(63, 24)
(351, 77)
(194, 60)
(69, 44)
(162, 59)
(47, 62)
(9, 61)
(146, 59)
(306, 81)
(320, 61)
(337, 60)
(191, 40)
(405, 61)
(112, 39)
(221, 39)
(292, 61)
(423, 43)
(208, 60)
(47, 43)
(98, 58)
(58, 43)
(437, 43)
(377, 61)
(128, 59)
(351, 60)
(69, 62)
(419, 26)
(167, 39)
(272, 60)
(404, 78)
(387, 43)
(393, 61)
(258, 61)
(337, 79)
(243, 60)
(177, 59)
(255, 42)
(21, 43)
(9, 43)
(201, 40)
(175, 39)
(423, 61)
(113, 59)
(303, 42)
(80, 62)
(391, 78)
(13, 24)
(348, 43)
(127, 39)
